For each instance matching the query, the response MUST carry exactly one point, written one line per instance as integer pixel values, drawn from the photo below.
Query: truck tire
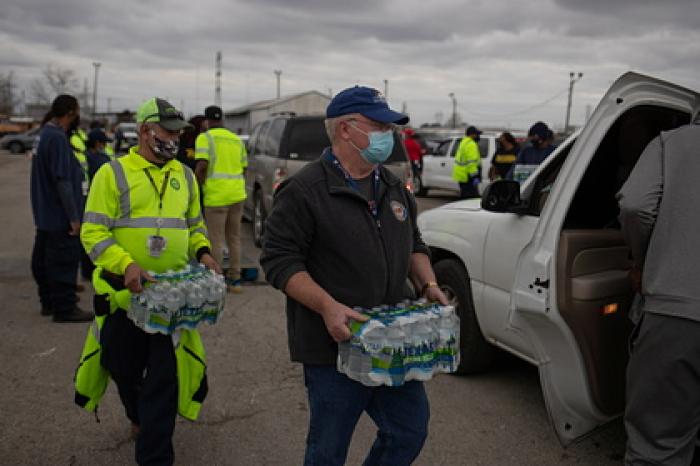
(16, 147)
(476, 353)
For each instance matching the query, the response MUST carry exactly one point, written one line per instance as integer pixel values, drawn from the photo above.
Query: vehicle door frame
(533, 308)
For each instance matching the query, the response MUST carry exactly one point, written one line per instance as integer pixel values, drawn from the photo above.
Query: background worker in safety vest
(143, 214)
(467, 166)
(107, 149)
(221, 162)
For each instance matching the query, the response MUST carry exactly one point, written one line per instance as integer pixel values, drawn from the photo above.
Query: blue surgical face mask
(381, 143)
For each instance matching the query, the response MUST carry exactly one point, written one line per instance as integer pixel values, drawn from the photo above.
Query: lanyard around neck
(372, 204)
(160, 195)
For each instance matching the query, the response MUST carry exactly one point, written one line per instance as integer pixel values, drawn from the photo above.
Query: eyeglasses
(375, 125)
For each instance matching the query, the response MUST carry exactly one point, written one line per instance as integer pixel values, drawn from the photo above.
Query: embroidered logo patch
(175, 184)
(399, 211)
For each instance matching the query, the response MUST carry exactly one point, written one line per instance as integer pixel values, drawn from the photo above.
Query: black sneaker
(46, 311)
(75, 315)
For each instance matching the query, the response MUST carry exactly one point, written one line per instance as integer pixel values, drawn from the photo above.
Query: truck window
(545, 181)
(306, 139)
(613, 162)
(258, 143)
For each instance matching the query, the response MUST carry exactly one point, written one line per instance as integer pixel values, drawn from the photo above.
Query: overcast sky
(500, 58)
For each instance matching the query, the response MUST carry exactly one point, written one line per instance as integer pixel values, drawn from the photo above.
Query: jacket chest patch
(399, 211)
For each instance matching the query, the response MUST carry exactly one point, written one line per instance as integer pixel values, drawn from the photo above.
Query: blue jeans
(336, 403)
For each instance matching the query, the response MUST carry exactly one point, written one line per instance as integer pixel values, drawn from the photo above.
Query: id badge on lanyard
(156, 244)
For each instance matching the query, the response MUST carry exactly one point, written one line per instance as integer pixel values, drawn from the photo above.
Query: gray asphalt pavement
(256, 412)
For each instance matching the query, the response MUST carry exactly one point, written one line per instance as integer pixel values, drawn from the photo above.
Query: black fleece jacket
(320, 225)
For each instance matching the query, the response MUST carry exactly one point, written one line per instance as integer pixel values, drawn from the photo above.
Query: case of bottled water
(413, 340)
(179, 300)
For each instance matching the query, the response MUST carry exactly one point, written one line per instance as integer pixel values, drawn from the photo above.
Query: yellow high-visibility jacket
(467, 160)
(228, 158)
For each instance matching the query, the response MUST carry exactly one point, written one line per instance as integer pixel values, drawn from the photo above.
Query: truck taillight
(280, 175)
(409, 180)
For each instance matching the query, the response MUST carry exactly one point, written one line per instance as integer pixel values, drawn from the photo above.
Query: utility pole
(573, 79)
(451, 95)
(217, 80)
(278, 73)
(94, 89)
(386, 89)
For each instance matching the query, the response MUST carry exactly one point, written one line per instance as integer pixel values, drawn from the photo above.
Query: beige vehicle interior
(594, 293)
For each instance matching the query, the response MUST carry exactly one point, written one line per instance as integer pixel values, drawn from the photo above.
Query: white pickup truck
(540, 269)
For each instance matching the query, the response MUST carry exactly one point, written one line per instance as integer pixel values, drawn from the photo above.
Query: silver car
(280, 147)
(17, 143)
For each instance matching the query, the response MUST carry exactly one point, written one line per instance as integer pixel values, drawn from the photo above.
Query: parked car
(125, 136)
(541, 269)
(280, 147)
(17, 143)
(437, 166)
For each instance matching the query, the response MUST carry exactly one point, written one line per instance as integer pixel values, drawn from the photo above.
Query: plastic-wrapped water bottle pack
(179, 300)
(410, 341)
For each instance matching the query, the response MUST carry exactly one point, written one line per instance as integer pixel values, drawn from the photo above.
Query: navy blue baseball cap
(367, 102)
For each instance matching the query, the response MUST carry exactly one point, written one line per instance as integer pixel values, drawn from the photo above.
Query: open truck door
(571, 295)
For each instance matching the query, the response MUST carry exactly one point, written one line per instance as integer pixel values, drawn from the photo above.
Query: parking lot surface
(256, 412)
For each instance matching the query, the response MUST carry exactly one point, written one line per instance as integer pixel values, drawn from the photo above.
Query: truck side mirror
(501, 196)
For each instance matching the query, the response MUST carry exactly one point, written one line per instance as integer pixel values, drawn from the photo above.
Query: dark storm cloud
(490, 53)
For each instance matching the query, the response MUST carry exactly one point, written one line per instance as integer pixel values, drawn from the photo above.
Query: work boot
(46, 310)
(74, 315)
(79, 287)
(234, 285)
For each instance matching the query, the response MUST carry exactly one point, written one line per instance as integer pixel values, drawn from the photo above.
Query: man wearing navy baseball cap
(342, 234)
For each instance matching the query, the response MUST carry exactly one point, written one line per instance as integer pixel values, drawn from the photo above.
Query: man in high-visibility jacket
(143, 214)
(467, 165)
(221, 162)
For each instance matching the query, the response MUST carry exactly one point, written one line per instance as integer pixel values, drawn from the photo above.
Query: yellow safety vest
(123, 210)
(467, 160)
(78, 141)
(228, 158)
(109, 150)
(91, 378)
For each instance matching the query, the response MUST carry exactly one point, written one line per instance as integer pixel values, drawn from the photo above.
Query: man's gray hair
(332, 124)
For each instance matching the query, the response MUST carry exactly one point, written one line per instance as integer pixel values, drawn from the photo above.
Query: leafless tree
(55, 81)
(8, 99)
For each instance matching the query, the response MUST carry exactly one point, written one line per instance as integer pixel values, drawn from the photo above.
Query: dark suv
(279, 147)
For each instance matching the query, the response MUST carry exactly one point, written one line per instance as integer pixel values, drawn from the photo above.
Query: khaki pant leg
(233, 239)
(216, 225)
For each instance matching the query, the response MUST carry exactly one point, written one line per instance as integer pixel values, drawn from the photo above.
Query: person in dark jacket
(57, 204)
(539, 147)
(95, 154)
(505, 156)
(343, 233)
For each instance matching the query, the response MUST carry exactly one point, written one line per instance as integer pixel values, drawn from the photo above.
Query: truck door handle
(442, 164)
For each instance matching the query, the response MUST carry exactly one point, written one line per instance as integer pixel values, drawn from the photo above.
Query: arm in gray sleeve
(65, 193)
(288, 234)
(640, 198)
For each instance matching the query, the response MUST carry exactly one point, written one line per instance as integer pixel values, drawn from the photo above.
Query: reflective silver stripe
(123, 187)
(95, 331)
(461, 164)
(199, 230)
(189, 176)
(194, 220)
(212, 153)
(202, 150)
(226, 176)
(151, 222)
(98, 219)
(100, 247)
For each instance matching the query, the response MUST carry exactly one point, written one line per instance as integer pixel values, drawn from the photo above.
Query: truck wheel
(259, 217)
(16, 147)
(476, 353)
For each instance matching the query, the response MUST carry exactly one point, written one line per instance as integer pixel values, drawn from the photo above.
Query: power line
(518, 112)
